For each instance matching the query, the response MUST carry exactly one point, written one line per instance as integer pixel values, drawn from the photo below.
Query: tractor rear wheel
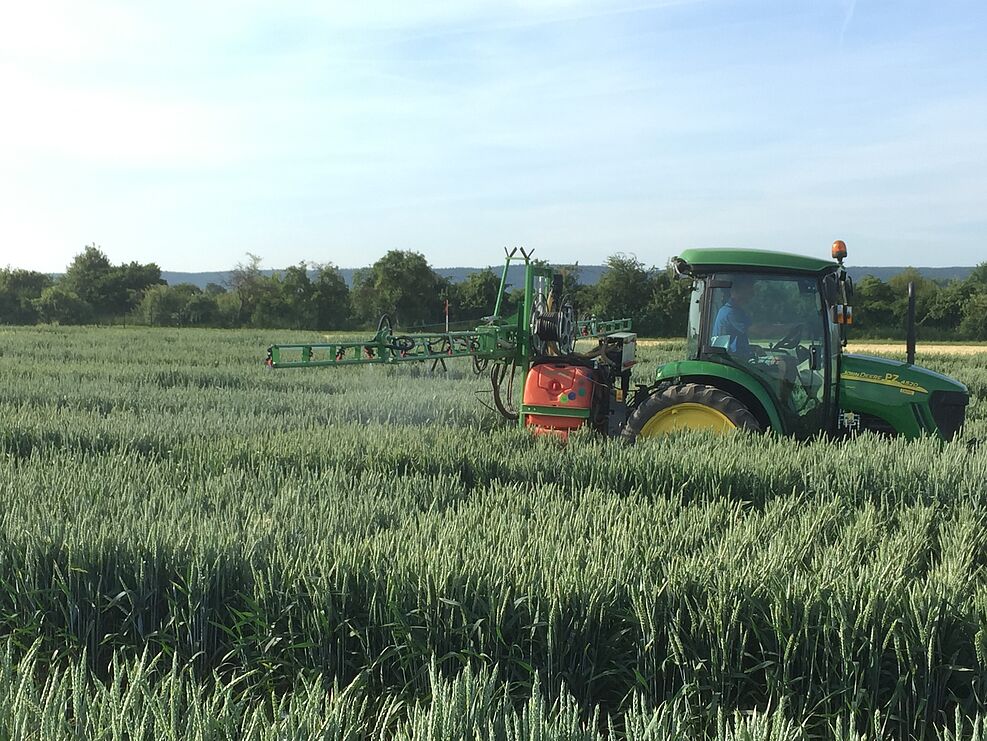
(688, 406)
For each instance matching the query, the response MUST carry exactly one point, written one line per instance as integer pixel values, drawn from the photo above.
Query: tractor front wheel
(688, 406)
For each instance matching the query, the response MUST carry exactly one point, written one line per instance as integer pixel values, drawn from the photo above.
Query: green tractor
(766, 340)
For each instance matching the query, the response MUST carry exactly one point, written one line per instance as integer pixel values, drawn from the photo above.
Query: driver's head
(742, 289)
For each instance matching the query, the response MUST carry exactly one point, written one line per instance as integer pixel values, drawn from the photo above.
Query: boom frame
(501, 340)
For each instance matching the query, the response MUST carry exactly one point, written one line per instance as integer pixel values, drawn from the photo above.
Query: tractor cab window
(774, 327)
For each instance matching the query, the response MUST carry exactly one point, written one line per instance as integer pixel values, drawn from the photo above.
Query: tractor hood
(897, 374)
(910, 398)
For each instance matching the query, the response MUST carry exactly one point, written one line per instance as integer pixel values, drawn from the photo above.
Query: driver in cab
(734, 321)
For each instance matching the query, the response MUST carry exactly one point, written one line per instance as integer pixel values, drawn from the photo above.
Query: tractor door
(773, 326)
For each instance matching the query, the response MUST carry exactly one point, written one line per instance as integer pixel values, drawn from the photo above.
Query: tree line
(944, 310)
(403, 285)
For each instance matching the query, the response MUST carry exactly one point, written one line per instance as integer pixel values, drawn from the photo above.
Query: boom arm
(492, 342)
(384, 347)
(542, 326)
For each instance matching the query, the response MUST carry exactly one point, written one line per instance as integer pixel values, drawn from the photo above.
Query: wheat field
(194, 546)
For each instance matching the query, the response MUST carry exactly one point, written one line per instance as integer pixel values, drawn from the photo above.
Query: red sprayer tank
(557, 398)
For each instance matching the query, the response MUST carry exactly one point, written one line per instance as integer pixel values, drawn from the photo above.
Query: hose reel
(553, 322)
(555, 331)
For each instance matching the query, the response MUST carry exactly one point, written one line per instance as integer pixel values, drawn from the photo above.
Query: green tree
(475, 297)
(944, 310)
(873, 304)
(91, 278)
(668, 309)
(286, 300)
(183, 304)
(974, 323)
(200, 309)
(131, 280)
(59, 304)
(625, 290)
(513, 301)
(978, 277)
(110, 290)
(227, 310)
(247, 283)
(160, 307)
(332, 298)
(18, 291)
(580, 296)
(298, 295)
(401, 284)
(926, 293)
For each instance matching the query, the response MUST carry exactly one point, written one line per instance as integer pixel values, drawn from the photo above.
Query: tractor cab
(766, 315)
(765, 350)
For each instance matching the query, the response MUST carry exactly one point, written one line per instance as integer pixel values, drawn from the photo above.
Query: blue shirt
(734, 321)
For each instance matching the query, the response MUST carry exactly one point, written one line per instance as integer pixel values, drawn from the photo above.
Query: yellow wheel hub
(687, 416)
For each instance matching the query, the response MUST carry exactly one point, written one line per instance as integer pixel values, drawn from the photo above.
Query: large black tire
(688, 406)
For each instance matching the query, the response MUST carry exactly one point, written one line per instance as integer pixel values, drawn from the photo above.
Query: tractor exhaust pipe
(910, 331)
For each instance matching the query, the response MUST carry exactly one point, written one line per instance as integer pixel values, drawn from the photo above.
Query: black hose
(497, 375)
(548, 326)
(402, 344)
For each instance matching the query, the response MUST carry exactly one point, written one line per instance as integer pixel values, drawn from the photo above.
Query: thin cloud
(851, 6)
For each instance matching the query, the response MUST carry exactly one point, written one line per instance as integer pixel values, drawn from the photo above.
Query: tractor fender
(734, 382)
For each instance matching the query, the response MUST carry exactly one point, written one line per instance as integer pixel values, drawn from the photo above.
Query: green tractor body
(786, 362)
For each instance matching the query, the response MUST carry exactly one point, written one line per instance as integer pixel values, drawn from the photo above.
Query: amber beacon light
(839, 250)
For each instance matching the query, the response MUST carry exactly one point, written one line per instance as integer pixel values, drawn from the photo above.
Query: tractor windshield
(773, 326)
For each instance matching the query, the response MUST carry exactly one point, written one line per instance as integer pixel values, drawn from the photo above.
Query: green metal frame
(384, 347)
(524, 354)
(501, 339)
(497, 340)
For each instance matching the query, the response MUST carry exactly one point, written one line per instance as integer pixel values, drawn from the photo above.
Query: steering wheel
(791, 339)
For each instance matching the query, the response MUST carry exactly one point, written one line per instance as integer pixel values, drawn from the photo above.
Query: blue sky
(190, 133)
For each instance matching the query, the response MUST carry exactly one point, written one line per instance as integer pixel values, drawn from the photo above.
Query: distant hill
(588, 274)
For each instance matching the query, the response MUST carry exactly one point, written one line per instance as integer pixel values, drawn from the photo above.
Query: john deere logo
(888, 379)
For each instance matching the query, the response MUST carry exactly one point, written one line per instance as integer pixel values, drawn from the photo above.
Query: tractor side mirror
(681, 268)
